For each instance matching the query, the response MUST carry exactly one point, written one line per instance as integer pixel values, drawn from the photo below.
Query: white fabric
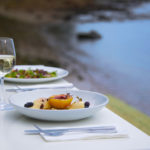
(84, 136)
(40, 86)
(63, 85)
(12, 125)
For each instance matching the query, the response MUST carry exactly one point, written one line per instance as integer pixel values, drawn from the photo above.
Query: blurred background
(105, 44)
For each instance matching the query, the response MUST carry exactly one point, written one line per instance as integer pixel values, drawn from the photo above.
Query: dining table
(13, 124)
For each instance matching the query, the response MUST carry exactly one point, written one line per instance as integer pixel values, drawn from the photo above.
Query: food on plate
(60, 101)
(37, 73)
(77, 104)
(55, 102)
(86, 104)
(41, 103)
(28, 104)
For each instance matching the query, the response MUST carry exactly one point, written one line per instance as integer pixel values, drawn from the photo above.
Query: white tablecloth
(13, 124)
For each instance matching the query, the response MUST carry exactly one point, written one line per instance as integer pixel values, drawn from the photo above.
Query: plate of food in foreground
(58, 105)
(35, 74)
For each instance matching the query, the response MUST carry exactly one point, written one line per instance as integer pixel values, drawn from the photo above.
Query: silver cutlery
(59, 132)
(31, 89)
(8, 107)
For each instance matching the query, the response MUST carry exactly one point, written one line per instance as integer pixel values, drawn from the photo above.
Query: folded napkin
(43, 86)
(70, 136)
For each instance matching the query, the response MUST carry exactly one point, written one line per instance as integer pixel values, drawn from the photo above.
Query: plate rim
(30, 80)
(64, 110)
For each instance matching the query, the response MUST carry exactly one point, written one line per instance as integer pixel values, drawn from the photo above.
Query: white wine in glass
(7, 62)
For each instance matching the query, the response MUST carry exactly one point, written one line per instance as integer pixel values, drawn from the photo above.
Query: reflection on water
(123, 54)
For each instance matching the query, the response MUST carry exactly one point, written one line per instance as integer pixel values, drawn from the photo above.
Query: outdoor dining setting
(53, 94)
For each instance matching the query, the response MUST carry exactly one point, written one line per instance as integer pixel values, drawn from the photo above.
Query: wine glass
(7, 62)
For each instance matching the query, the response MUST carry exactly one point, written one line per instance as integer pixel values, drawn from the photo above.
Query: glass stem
(2, 91)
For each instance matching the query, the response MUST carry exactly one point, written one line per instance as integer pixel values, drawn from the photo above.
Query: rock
(91, 35)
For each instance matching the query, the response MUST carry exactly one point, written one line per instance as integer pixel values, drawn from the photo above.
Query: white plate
(97, 102)
(61, 73)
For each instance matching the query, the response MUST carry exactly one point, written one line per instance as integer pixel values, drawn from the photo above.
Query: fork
(18, 89)
(59, 132)
(7, 107)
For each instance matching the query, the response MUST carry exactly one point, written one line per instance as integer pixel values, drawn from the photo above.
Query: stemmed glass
(7, 62)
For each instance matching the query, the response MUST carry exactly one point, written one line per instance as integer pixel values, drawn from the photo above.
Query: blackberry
(29, 104)
(86, 104)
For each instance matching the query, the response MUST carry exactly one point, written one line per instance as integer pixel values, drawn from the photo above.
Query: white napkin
(37, 86)
(84, 136)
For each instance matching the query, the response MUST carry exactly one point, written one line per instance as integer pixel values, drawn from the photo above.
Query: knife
(107, 129)
(42, 87)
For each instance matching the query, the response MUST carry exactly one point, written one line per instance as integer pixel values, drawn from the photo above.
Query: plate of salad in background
(35, 74)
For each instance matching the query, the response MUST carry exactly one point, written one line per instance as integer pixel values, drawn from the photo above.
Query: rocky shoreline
(51, 11)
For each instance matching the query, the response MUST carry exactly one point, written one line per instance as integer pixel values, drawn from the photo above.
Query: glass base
(5, 106)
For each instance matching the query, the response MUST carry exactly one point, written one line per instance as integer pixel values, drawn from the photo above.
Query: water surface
(123, 56)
